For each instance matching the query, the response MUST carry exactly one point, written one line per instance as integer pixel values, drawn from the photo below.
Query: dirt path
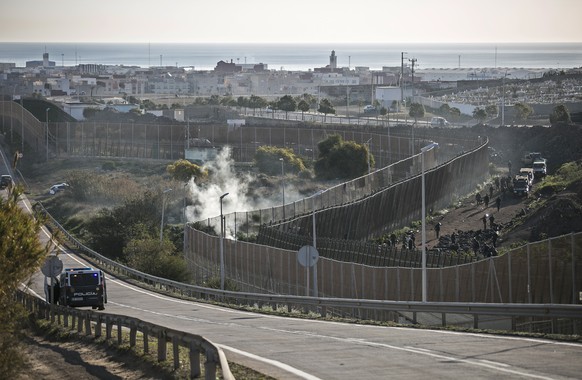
(467, 216)
(79, 360)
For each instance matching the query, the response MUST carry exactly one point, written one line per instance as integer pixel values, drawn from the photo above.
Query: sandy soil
(81, 360)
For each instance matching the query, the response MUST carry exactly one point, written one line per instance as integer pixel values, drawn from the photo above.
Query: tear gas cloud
(205, 197)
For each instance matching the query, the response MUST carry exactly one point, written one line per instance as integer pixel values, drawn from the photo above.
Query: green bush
(267, 159)
(342, 159)
(108, 166)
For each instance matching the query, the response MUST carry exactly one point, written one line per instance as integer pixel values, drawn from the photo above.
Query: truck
(520, 185)
(529, 158)
(82, 287)
(539, 168)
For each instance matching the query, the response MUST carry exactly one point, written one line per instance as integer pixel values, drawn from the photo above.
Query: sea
(301, 57)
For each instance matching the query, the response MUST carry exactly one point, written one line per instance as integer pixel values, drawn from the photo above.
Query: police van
(82, 287)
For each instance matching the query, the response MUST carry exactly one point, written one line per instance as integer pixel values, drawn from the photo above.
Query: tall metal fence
(257, 268)
(43, 140)
(548, 271)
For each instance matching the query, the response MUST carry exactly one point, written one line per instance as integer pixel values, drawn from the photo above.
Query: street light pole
(163, 208)
(283, 183)
(222, 244)
(47, 132)
(22, 123)
(422, 152)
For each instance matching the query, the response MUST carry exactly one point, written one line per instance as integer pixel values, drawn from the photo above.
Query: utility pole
(413, 60)
(402, 76)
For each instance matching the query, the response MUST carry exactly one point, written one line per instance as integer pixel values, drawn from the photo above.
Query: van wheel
(101, 307)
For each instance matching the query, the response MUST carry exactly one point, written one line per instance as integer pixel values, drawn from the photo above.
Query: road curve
(290, 348)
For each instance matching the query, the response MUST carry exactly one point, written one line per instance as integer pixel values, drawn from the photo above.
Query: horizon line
(299, 42)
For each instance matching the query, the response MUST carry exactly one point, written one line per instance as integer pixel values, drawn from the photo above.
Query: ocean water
(300, 56)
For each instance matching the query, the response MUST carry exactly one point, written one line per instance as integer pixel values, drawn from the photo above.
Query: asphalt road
(289, 348)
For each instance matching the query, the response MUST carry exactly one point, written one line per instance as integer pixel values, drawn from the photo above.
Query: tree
(138, 218)
(523, 111)
(183, 170)
(157, 258)
(21, 255)
(90, 112)
(287, 104)
(445, 110)
(267, 160)
(416, 111)
(326, 107)
(492, 110)
(341, 159)
(303, 106)
(257, 102)
(384, 112)
(480, 114)
(455, 112)
(560, 115)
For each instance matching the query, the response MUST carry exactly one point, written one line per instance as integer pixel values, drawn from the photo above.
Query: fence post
(509, 275)
(119, 336)
(162, 346)
(145, 332)
(176, 351)
(528, 276)
(98, 326)
(80, 320)
(88, 323)
(194, 361)
(108, 327)
(573, 270)
(132, 334)
(550, 269)
(210, 365)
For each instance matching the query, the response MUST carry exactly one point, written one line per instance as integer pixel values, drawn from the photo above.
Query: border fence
(548, 271)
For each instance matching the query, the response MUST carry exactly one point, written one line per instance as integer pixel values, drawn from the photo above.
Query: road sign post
(52, 267)
(307, 257)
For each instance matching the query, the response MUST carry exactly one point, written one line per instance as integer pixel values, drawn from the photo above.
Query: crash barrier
(93, 323)
(531, 284)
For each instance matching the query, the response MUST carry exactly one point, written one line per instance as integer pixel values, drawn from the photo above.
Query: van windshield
(84, 279)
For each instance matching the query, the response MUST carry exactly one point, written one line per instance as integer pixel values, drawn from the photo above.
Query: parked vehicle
(58, 187)
(520, 185)
(539, 168)
(369, 109)
(529, 158)
(438, 121)
(5, 181)
(82, 287)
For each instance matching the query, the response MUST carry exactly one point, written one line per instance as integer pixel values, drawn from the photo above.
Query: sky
(295, 21)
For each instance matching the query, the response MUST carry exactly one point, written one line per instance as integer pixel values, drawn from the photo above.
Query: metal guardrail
(324, 306)
(86, 319)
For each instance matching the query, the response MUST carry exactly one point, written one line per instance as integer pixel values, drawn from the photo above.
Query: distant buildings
(44, 63)
(360, 84)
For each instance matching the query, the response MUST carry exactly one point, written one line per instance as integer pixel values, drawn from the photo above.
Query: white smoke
(205, 197)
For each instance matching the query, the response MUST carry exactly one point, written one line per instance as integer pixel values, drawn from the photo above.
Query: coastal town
(85, 85)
